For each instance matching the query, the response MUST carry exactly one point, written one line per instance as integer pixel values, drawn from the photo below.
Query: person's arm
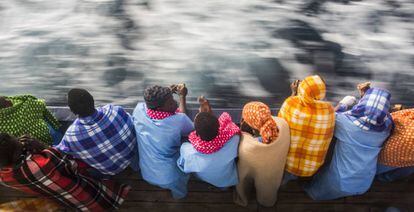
(204, 105)
(346, 103)
(294, 87)
(340, 108)
(182, 92)
(187, 126)
(183, 104)
(32, 145)
(363, 87)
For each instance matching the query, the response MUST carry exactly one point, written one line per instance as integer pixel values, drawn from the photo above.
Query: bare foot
(204, 105)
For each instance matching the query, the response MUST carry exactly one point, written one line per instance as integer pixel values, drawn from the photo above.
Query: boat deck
(204, 197)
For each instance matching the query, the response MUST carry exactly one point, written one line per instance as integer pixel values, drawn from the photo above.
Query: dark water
(230, 51)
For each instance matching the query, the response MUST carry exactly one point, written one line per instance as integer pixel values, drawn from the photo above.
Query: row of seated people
(161, 142)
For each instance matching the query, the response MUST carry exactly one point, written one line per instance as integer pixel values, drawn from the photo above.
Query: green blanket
(28, 115)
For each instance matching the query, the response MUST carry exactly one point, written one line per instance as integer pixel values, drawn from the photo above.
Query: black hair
(156, 96)
(245, 127)
(81, 102)
(206, 126)
(7, 149)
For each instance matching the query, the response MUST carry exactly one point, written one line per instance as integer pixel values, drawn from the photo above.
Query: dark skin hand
(24, 144)
(32, 145)
(204, 105)
(363, 87)
(337, 107)
(182, 92)
(397, 107)
(294, 87)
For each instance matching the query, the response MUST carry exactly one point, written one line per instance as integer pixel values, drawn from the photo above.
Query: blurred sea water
(230, 51)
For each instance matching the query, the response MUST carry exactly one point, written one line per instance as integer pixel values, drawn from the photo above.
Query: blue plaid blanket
(372, 111)
(106, 140)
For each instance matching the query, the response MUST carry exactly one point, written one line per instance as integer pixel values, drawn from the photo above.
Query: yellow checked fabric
(398, 150)
(43, 205)
(311, 123)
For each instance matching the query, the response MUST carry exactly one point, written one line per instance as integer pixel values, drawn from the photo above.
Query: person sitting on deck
(212, 151)
(311, 123)
(360, 134)
(29, 166)
(104, 138)
(160, 129)
(396, 159)
(263, 148)
(25, 114)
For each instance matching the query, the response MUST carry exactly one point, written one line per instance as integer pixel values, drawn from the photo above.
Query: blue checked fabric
(105, 141)
(372, 111)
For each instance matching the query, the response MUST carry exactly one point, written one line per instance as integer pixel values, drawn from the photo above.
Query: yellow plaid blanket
(311, 123)
(33, 204)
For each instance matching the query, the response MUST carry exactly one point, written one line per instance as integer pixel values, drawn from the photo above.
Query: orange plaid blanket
(311, 123)
(33, 204)
(398, 150)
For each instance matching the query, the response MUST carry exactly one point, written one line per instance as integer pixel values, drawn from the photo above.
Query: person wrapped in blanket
(360, 133)
(212, 151)
(26, 114)
(160, 129)
(102, 137)
(396, 160)
(311, 121)
(29, 166)
(263, 149)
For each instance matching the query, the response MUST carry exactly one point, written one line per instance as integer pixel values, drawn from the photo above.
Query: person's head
(81, 102)
(312, 87)
(4, 102)
(258, 117)
(8, 147)
(160, 98)
(206, 126)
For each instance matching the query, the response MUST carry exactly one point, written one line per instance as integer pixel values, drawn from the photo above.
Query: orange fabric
(398, 150)
(258, 116)
(30, 205)
(311, 123)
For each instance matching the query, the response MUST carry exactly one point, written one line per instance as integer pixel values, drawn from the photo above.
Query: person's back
(104, 137)
(311, 123)
(360, 134)
(212, 149)
(263, 148)
(25, 114)
(218, 168)
(159, 134)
